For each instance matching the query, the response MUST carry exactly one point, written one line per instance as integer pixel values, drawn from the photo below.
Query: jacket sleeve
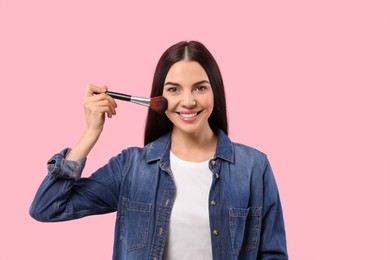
(273, 235)
(64, 195)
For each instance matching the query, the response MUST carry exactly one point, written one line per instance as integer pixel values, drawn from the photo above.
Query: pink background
(307, 82)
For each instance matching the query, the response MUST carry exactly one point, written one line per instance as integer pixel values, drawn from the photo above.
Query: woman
(190, 193)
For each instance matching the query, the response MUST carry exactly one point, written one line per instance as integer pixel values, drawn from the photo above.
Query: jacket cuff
(58, 166)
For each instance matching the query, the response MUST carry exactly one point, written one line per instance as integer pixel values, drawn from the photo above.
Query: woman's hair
(159, 124)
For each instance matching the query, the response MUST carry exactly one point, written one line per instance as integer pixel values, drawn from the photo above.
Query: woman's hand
(97, 105)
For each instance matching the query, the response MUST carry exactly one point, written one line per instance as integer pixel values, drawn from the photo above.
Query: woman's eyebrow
(201, 82)
(195, 84)
(172, 83)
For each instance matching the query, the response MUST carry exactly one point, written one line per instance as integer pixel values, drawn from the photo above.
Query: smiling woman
(190, 104)
(190, 192)
(187, 51)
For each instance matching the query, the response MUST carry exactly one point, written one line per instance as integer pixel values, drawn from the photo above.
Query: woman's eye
(201, 88)
(172, 89)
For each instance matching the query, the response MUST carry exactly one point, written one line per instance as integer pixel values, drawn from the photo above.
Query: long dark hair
(159, 124)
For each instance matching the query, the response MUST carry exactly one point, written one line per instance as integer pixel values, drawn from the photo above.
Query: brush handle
(137, 100)
(119, 96)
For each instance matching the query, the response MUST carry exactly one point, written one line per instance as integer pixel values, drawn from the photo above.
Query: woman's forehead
(186, 70)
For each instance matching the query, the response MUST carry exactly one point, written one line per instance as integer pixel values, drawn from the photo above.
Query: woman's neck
(195, 147)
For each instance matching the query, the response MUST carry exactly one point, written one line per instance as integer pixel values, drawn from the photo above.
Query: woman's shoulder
(129, 153)
(238, 150)
(133, 150)
(150, 152)
(243, 150)
(239, 147)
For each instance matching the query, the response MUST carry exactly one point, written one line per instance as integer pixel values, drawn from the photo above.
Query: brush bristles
(158, 104)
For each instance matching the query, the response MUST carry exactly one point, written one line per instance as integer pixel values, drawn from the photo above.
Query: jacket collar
(159, 149)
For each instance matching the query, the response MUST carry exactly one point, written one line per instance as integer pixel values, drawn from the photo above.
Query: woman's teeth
(188, 115)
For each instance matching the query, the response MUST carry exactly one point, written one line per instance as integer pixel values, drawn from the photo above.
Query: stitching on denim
(232, 234)
(257, 226)
(128, 205)
(83, 213)
(56, 205)
(127, 162)
(253, 214)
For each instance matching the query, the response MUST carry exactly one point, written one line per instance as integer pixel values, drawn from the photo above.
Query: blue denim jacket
(246, 220)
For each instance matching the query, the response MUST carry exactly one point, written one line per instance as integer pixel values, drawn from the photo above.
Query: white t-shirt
(189, 230)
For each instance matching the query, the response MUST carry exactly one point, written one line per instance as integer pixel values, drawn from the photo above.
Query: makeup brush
(158, 104)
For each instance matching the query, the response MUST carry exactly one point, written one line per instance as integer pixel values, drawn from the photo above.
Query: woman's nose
(188, 99)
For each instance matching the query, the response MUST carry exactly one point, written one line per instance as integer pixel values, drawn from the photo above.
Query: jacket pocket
(134, 224)
(245, 227)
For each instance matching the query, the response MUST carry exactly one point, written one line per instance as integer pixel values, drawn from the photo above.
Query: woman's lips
(188, 116)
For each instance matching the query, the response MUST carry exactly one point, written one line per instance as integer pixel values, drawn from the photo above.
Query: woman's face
(190, 97)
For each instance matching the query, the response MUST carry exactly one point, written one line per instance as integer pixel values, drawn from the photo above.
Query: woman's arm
(273, 234)
(63, 195)
(95, 109)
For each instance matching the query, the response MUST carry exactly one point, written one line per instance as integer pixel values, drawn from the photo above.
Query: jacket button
(213, 203)
(217, 175)
(215, 232)
(213, 162)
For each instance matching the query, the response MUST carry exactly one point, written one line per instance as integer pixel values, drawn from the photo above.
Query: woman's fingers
(101, 99)
(92, 89)
(103, 104)
(95, 112)
(98, 93)
(97, 105)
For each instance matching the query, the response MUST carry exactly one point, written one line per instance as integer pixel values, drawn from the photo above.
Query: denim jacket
(245, 213)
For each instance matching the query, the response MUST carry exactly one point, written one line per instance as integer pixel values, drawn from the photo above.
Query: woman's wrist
(84, 145)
